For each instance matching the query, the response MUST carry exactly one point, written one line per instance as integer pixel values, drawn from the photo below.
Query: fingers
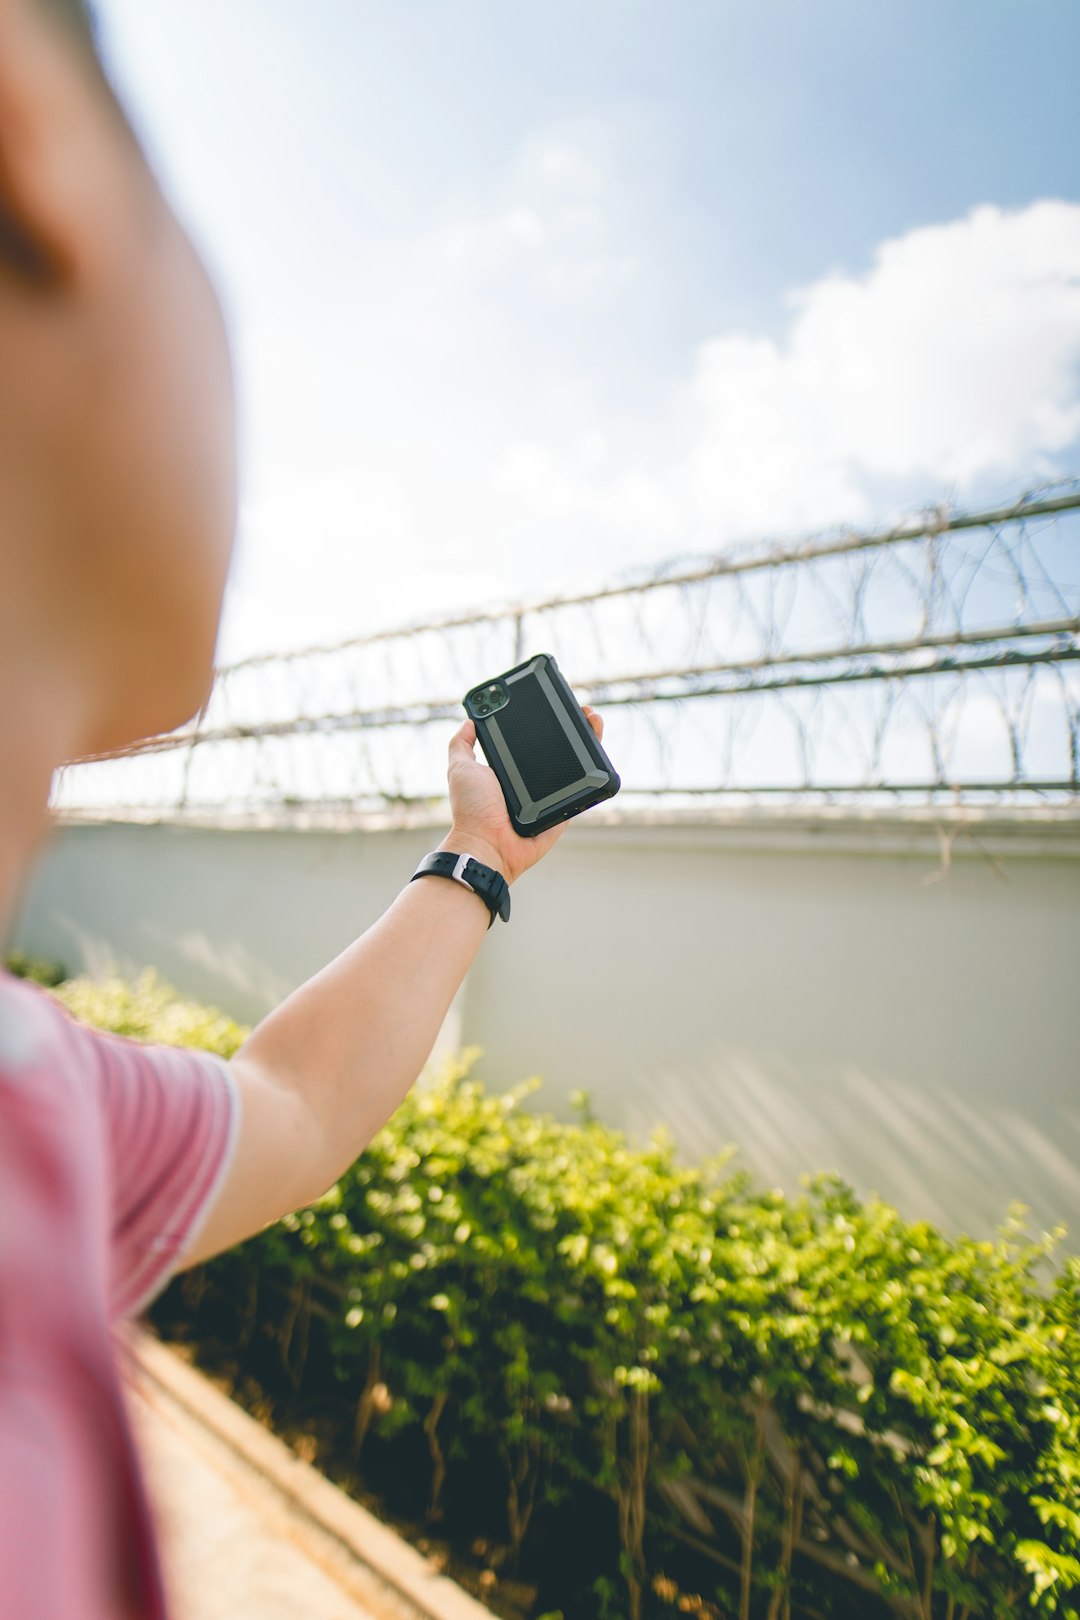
(595, 720)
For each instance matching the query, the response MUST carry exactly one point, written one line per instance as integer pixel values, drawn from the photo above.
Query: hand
(481, 823)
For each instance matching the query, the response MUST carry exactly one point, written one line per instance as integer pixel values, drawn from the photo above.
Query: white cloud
(553, 218)
(459, 445)
(523, 226)
(563, 162)
(954, 359)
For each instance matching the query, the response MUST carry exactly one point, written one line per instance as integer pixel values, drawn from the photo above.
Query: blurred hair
(78, 18)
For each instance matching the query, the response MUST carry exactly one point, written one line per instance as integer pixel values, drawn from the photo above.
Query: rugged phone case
(537, 740)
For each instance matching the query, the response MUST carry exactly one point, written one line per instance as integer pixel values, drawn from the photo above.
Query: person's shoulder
(33, 1024)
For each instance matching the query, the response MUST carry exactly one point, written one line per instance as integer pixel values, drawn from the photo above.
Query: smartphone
(539, 743)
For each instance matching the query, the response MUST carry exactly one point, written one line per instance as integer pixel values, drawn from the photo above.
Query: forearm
(352, 1040)
(325, 1071)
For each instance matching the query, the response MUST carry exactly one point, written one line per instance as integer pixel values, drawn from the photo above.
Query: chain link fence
(933, 663)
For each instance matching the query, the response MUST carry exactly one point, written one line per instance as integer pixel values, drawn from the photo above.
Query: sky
(525, 297)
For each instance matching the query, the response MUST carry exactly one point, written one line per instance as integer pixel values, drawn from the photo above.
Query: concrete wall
(871, 997)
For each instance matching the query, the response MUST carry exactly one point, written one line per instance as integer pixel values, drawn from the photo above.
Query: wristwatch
(490, 885)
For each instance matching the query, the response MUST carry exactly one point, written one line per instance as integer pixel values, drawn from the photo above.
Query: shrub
(22, 966)
(809, 1405)
(149, 1010)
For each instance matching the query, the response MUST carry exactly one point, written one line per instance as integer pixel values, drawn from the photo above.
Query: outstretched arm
(327, 1068)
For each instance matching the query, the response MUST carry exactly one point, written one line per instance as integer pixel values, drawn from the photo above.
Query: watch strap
(484, 881)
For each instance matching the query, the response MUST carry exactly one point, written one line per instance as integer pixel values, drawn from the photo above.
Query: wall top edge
(978, 830)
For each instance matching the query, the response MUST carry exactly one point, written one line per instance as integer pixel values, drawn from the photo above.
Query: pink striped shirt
(111, 1153)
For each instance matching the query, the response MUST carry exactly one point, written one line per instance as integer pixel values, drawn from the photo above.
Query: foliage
(22, 966)
(825, 1407)
(150, 1010)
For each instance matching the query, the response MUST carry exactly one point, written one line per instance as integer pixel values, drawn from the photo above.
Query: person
(120, 1163)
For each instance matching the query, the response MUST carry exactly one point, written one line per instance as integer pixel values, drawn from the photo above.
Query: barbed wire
(933, 661)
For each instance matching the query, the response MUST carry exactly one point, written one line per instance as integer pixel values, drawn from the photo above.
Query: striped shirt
(111, 1154)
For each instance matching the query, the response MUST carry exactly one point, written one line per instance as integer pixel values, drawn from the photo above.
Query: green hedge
(49, 974)
(748, 1405)
(149, 1010)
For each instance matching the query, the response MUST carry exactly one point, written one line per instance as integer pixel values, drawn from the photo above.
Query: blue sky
(523, 296)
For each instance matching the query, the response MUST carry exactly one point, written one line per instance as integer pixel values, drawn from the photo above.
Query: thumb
(461, 744)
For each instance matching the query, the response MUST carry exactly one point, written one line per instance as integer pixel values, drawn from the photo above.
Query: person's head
(117, 460)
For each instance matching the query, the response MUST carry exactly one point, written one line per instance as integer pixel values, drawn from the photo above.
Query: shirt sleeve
(170, 1117)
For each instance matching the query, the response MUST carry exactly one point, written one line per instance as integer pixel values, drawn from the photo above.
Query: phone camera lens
(485, 700)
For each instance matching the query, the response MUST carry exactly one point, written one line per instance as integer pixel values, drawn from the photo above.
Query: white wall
(830, 995)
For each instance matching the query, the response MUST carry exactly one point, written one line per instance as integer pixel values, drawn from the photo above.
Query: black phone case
(541, 746)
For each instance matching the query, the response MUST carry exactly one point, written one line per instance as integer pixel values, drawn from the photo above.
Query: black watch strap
(490, 885)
